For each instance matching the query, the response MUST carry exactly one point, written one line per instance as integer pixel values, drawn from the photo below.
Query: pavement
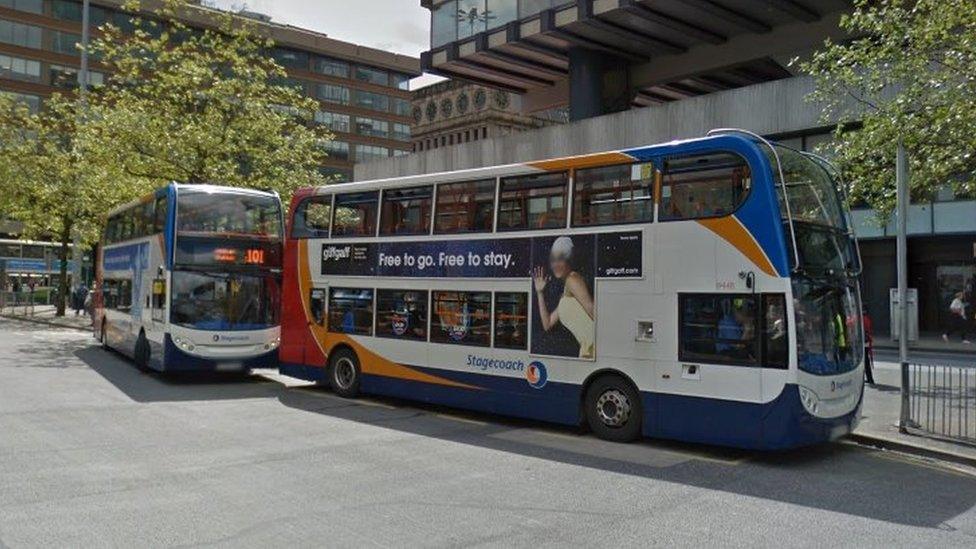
(95, 453)
(47, 314)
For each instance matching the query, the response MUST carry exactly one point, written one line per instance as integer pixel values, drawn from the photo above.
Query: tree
(201, 106)
(909, 75)
(51, 184)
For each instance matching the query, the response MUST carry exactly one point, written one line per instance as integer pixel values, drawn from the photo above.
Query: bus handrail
(829, 166)
(782, 180)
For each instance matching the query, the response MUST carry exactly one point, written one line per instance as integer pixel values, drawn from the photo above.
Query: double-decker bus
(188, 279)
(702, 290)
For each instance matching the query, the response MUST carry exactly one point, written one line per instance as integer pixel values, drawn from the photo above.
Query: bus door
(157, 303)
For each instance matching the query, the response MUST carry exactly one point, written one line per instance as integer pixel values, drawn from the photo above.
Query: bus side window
(776, 351)
(351, 311)
(316, 302)
(613, 194)
(313, 217)
(406, 211)
(718, 329)
(355, 214)
(511, 320)
(159, 218)
(704, 185)
(467, 207)
(533, 202)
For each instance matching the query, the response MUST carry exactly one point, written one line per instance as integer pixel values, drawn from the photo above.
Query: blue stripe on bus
(780, 424)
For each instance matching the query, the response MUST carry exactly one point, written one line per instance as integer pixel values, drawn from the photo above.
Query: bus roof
(557, 164)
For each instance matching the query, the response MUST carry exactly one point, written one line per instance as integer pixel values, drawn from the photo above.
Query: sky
(400, 26)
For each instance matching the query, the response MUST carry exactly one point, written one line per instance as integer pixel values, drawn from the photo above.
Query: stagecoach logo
(336, 253)
(536, 375)
(834, 386)
(216, 338)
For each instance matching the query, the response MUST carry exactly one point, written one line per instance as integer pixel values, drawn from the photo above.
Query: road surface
(94, 453)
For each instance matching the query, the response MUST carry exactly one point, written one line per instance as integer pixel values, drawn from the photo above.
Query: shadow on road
(836, 477)
(152, 387)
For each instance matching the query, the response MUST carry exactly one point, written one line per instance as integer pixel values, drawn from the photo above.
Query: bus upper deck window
(614, 194)
(704, 185)
(313, 218)
(535, 201)
(355, 214)
(406, 211)
(467, 207)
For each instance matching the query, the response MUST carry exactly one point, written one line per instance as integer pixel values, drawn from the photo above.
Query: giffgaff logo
(336, 253)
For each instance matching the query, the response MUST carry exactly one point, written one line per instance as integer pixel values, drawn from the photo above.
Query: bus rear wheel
(344, 373)
(613, 409)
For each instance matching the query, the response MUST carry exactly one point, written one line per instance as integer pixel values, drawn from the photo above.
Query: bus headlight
(183, 343)
(272, 345)
(809, 399)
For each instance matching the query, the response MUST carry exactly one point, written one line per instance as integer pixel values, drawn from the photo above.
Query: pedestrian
(958, 319)
(868, 346)
(78, 299)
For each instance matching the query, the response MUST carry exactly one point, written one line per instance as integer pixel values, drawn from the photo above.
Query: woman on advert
(575, 309)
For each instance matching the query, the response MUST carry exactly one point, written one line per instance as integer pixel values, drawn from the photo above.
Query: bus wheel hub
(614, 408)
(345, 373)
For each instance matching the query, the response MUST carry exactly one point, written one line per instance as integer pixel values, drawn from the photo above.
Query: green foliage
(202, 106)
(909, 75)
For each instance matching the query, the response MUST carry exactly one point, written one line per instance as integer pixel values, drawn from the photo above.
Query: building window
(462, 318)
(355, 214)
(533, 202)
(65, 42)
(368, 153)
(313, 217)
(373, 76)
(401, 107)
(332, 94)
(331, 67)
(400, 152)
(16, 68)
(19, 34)
(292, 59)
(444, 21)
(32, 102)
(351, 311)
(336, 175)
(718, 329)
(401, 132)
(467, 207)
(406, 211)
(471, 17)
(614, 194)
(67, 77)
(402, 314)
(338, 150)
(511, 320)
(372, 127)
(373, 101)
(32, 6)
(334, 121)
(400, 81)
(703, 186)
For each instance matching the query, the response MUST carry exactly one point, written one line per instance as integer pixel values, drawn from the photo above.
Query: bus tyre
(143, 352)
(103, 336)
(344, 373)
(613, 409)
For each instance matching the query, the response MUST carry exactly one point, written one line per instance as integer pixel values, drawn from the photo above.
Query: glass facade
(32, 6)
(366, 153)
(459, 19)
(334, 121)
(372, 127)
(16, 68)
(19, 34)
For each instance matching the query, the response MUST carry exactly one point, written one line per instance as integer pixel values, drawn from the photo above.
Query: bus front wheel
(613, 409)
(344, 373)
(143, 352)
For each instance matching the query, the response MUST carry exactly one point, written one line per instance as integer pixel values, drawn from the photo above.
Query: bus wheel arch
(611, 406)
(343, 371)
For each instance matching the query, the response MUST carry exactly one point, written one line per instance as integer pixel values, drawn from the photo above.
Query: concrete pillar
(599, 83)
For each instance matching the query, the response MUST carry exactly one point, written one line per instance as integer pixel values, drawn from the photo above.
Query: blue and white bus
(703, 290)
(189, 279)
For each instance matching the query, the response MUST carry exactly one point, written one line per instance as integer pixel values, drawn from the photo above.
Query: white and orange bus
(703, 290)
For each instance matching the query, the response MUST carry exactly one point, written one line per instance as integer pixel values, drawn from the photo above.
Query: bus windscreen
(201, 213)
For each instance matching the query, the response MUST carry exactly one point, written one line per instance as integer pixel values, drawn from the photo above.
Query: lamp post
(83, 79)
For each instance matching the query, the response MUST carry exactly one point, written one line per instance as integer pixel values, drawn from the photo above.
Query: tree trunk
(63, 287)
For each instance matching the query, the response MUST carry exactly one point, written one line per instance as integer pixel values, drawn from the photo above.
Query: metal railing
(23, 303)
(943, 401)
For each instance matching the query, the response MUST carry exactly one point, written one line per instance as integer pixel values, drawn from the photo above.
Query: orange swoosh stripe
(584, 161)
(370, 362)
(733, 232)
